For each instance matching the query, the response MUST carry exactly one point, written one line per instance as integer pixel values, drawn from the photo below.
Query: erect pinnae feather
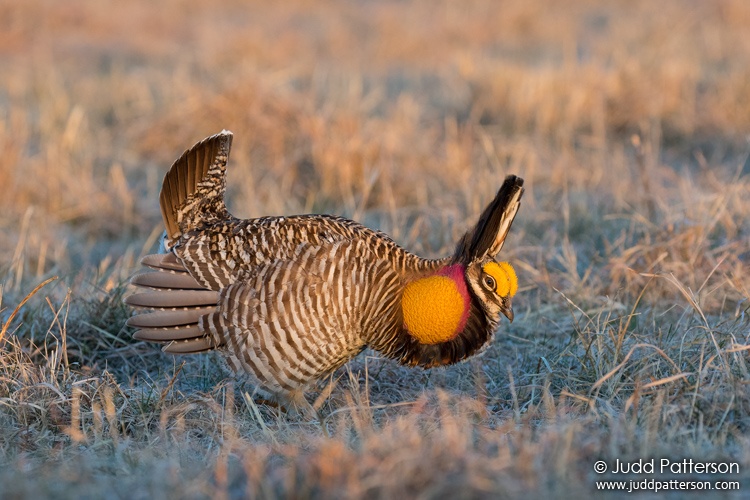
(488, 236)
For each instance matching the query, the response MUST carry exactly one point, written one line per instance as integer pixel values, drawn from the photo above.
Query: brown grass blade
(7, 323)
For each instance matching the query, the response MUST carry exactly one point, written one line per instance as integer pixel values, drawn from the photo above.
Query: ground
(629, 121)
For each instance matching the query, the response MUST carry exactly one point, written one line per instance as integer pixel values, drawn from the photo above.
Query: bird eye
(489, 282)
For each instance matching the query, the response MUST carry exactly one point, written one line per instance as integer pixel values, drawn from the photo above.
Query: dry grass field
(629, 120)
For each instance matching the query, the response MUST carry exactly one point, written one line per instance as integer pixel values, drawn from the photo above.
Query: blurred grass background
(628, 120)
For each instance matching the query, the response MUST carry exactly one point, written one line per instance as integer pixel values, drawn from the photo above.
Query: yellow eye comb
(505, 277)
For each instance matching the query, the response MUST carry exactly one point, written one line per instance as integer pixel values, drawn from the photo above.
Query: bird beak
(507, 310)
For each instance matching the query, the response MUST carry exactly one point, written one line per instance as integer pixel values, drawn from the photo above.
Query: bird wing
(291, 321)
(218, 255)
(174, 301)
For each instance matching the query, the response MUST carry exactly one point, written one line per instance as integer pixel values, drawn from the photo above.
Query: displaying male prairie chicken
(289, 299)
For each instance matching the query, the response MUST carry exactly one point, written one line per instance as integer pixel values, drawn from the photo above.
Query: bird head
(438, 309)
(494, 284)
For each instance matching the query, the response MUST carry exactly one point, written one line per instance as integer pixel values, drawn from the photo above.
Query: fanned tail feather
(176, 303)
(193, 189)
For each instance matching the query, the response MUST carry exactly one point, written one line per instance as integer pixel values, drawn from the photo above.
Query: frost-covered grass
(628, 120)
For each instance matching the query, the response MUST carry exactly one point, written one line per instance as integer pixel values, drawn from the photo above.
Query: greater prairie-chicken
(289, 299)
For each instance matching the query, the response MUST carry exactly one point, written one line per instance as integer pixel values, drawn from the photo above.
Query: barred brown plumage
(289, 299)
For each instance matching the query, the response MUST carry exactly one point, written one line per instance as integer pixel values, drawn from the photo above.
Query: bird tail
(488, 236)
(176, 303)
(193, 189)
